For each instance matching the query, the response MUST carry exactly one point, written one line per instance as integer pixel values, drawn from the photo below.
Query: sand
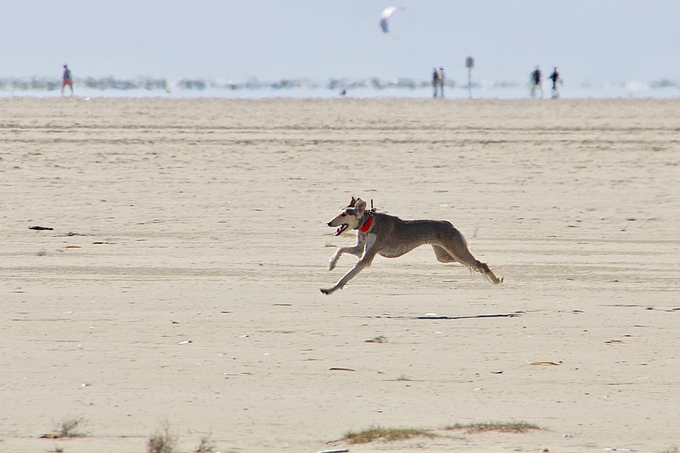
(180, 283)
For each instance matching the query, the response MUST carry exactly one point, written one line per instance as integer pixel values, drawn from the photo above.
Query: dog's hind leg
(464, 257)
(442, 255)
(455, 246)
(488, 273)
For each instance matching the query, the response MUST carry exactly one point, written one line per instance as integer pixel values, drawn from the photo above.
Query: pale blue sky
(590, 40)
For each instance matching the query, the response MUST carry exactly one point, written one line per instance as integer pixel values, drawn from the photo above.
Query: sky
(589, 40)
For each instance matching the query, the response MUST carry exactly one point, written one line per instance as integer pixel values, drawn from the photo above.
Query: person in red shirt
(67, 80)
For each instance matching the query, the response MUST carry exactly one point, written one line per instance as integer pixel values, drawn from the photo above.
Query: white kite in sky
(385, 16)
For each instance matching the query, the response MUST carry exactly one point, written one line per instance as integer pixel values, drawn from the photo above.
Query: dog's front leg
(357, 250)
(365, 261)
(358, 267)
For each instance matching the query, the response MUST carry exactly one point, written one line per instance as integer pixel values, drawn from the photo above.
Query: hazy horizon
(607, 40)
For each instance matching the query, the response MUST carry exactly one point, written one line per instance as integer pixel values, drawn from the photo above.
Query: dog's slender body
(391, 237)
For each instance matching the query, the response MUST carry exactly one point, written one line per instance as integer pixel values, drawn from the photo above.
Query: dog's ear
(360, 206)
(352, 203)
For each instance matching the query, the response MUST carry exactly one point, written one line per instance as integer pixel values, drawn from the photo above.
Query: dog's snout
(329, 224)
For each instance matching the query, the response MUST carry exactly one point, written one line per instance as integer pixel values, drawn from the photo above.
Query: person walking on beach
(536, 82)
(555, 77)
(435, 81)
(67, 79)
(441, 82)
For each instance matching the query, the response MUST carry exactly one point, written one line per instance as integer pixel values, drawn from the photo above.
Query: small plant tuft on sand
(394, 434)
(71, 427)
(385, 435)
(206, 445)
(162, 441)
(503, 427)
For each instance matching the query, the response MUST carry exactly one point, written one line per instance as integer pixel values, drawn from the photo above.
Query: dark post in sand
(469, 64)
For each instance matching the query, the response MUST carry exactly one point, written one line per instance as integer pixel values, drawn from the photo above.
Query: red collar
(367, 224)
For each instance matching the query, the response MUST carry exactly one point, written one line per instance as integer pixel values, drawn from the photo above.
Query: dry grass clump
(162, 441)
(71, 427)
(395, 434)
(385, 435)
(502, 427)
(206, 445)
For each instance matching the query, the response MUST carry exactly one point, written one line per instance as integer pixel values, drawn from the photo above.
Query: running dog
(391, 237)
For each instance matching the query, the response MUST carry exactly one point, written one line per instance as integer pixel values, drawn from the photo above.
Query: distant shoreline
(303, 87)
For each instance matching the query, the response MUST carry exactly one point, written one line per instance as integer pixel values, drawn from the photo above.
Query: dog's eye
(343, 214)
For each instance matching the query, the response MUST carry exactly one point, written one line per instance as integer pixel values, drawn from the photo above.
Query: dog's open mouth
(341, 228)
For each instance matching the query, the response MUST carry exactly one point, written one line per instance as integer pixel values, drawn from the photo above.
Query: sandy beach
(179, 283)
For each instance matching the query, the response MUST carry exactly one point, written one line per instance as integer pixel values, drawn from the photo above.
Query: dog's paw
(332, 263)
(325, 291)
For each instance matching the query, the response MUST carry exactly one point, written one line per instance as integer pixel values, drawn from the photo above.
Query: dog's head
(349, 217)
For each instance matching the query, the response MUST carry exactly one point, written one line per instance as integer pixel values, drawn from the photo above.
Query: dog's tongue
(340, 229)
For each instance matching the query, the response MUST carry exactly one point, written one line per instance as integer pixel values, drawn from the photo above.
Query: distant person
(67, 80)
(435, 81)
(555, 77)
(536, 83)
(441, 82)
